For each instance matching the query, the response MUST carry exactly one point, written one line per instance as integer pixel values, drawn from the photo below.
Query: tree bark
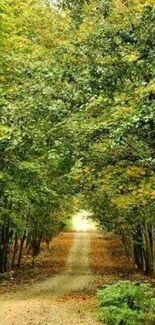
(14, 251)
(20, 251)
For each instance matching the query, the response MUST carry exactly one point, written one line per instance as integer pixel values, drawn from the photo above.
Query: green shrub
(127, 303)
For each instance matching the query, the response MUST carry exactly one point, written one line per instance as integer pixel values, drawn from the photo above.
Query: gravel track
(60, 299)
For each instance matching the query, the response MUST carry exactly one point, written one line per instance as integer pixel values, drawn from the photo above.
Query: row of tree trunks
(12, 244)
(10, 241)
(139, 245)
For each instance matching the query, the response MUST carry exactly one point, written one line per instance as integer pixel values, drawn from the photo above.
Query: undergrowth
(127, 303)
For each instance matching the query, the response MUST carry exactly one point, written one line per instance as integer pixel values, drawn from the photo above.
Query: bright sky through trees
(82, 223)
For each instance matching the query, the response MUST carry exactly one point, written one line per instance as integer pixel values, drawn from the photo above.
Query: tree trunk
(28, 240)
(148, 251)
(8, 235)
(20, 251)
(2, 239)
(14, 251)
(138, 248)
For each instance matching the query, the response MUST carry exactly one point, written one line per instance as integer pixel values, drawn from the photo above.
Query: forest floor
(68, 297)
(49, 262)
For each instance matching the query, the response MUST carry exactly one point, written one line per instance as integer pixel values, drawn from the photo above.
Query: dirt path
(61, 299)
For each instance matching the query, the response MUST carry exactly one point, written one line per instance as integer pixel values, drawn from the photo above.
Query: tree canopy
(78, 117)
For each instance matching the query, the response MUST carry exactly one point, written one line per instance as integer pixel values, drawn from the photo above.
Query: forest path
(60, 299)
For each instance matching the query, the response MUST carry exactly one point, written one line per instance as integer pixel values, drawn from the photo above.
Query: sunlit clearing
(81, 222)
